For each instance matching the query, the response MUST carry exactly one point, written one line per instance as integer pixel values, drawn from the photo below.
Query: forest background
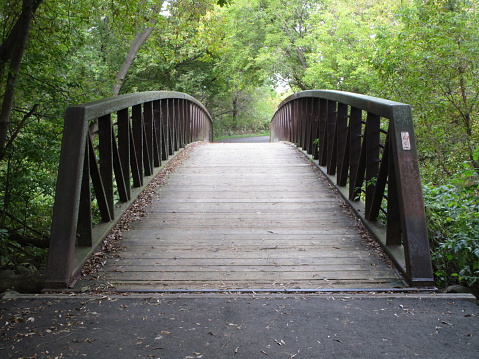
(240, 58)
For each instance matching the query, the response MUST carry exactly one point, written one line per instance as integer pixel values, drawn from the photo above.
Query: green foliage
(429, 60)
(453, 221)
(13, 254)
(342, 40)
(254, 109)
(8, 249)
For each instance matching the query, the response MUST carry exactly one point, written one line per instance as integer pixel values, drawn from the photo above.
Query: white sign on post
(406, 143)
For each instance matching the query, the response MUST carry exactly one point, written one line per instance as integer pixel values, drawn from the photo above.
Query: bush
(453, 223)
(13, 254)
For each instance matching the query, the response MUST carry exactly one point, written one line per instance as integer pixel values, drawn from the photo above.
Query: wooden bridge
(244, 216)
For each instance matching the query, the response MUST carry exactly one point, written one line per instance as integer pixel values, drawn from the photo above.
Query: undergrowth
(453, 222)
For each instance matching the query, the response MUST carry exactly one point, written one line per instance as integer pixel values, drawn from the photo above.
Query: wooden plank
(237, 243)
(234, 268)
(287, 261)
(246, 216)
(248, 275)
(241, 253)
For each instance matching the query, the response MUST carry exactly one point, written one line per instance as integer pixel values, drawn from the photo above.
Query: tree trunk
(11, 54)
(138, 40)
(235, 112)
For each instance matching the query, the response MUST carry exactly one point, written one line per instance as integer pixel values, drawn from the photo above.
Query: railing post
(410, 197)
(66, 208)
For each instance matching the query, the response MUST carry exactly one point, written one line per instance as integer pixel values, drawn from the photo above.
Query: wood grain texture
(246, 216)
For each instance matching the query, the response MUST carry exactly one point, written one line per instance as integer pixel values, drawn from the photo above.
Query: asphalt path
(240, 326)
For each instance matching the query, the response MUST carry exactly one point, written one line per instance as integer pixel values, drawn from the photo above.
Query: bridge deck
(247, 216)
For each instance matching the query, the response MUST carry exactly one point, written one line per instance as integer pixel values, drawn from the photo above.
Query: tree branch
(20, 126)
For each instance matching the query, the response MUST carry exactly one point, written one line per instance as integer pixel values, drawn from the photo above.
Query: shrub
(453, 224)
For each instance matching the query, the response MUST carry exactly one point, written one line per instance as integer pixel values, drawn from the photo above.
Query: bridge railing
(135, 134)
(367, 148)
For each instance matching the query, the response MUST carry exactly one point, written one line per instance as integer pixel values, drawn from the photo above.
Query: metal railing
(136, 133)
(366, 146)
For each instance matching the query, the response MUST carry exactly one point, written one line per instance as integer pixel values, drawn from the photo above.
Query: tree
(143, 31)
(159, 13)
(342, 42)
(430, 62)
(11, 54)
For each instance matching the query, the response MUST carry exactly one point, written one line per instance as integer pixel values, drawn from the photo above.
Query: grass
(242, 135)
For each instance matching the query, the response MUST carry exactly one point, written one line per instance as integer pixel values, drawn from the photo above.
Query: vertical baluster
(355, 134)
(137, 143)
(309, 125)
(293, 121)
(193, 119)
(171, 127)
(342, 140)
(124, 147)
(120, 179)
(148, 138)
(98, 187)
(85, 223)
(174, 123)
(105, 135)
(302, 104)
(157, 133)
(186, 123)
(181, 108)
(331, 137)
(315, 128)
(323, 118)
(375, 205)
(372, 157)
(177, 124)
(164, 130)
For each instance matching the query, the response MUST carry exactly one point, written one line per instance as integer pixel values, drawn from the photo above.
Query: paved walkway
(233, 326)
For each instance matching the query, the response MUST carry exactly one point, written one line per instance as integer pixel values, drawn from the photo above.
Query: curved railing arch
(136, 132)
(367, 148)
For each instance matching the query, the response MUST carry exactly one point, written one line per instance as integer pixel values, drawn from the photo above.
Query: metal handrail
(367, 148)
(119, 160)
